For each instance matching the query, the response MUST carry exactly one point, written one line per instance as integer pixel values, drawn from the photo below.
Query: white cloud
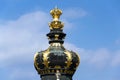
(19, 74)
(22, 37)
(116, 59)
(99, 58)
(74, 13)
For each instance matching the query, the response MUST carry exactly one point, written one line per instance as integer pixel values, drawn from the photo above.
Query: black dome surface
(56, 58)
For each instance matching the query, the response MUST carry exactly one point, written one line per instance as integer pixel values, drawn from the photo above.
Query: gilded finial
(55, 24)
(56, 13)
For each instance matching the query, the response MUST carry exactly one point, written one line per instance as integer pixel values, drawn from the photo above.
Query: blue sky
(92, 27)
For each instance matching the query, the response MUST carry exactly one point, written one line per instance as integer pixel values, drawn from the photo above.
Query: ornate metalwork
(69, 58)
(56, 13)
(56, 24)
(56, 60)
(45, 58)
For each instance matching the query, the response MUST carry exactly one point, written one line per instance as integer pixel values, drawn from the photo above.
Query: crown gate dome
(56, 63)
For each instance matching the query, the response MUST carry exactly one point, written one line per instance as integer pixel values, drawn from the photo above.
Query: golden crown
(56, 24)
(56, 13)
